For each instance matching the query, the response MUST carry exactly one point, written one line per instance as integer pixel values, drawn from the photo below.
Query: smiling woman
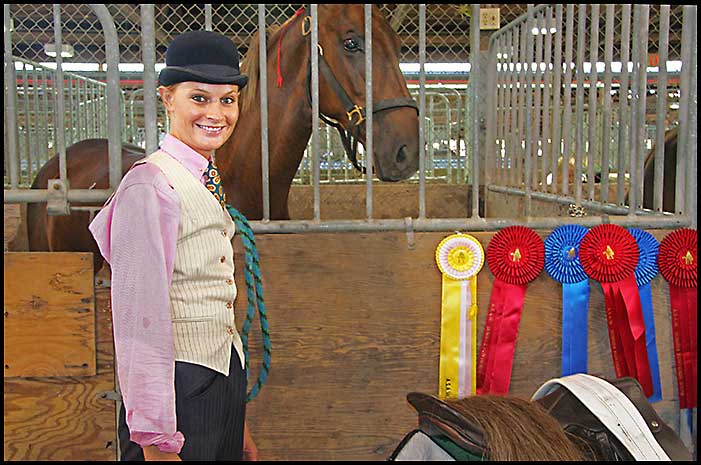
(167, 237)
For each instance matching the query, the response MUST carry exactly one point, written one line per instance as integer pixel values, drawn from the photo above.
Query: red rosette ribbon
(609, 254)
(515, 256)
(677, 261)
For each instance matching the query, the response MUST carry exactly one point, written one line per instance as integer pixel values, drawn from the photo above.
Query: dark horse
(341, 31)
(670, 173)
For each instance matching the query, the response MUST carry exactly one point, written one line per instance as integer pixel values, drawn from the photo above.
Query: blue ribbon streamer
(645, 272)
(575, 305)
(563, 265)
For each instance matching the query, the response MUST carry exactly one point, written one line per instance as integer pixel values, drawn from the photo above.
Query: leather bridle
(348, 137)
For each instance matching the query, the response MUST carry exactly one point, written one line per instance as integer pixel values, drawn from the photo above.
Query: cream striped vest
(203, 290)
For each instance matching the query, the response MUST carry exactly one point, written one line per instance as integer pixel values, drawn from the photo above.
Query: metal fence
(578, 82)
(523, 108)
(85, 115)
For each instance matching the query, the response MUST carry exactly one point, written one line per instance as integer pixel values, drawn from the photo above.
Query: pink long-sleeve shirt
(137, 232)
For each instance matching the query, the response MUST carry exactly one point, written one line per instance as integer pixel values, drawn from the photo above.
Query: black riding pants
(210, 410)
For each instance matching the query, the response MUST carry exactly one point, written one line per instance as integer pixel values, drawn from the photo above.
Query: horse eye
(351, 45)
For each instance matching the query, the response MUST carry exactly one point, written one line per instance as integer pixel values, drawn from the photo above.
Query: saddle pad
(418, 446)
(614, 410)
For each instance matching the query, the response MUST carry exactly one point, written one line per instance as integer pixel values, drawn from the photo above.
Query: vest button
(229, 305)
(230, 330)
(229, 281)
(224, 233)
(223, 259)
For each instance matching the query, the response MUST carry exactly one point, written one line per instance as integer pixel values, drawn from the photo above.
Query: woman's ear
(166, 94)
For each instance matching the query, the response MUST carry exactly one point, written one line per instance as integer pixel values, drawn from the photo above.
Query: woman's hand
(250, 451)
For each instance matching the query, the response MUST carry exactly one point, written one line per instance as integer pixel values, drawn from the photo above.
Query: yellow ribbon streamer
(459, 257)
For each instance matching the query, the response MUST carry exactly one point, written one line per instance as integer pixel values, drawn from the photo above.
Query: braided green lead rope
(254, 292)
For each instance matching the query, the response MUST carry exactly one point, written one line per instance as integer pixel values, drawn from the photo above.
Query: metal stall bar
(623, 103)
(606, 137)
(495, 118)
(422, 110)
(114, 122)
(528, 130)
(263, 86)
(685, 86)
(515, 144)
(592, 146)
(504, 146)
(315, 108)
(208, 16)
(547, 114)
(661, 126)
(691, 147)
(567, 200)
(463, 224)
(368, 108)
(60, 110)
(557, 91)
(475, 81)
(45, 113)
(148, 53)
(71, 112)
(579, 130)
(27, 119)
(131, 120)
(84, 132)
(519, 165)
(537, 108)
(10, 103)
(567, 118)
(637, 138)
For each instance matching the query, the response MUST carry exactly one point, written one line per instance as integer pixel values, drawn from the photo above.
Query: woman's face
(203, 116)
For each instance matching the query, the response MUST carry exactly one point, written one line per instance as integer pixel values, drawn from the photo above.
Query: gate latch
(57, 203)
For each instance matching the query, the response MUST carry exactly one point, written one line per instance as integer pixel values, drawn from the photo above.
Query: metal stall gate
(570, 88)
(62, 122)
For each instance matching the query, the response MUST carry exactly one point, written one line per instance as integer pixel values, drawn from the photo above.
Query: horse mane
(517, 429)
(250, 65)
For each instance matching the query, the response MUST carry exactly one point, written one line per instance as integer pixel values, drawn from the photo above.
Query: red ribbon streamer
(677, 261)
(509, 298)
(609, 254)
(515, 256)
(683, 303)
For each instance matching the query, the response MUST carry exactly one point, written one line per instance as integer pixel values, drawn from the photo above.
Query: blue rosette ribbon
(645, 272)
(563, 265)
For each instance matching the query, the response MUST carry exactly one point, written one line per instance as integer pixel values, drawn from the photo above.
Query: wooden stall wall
(355, 325)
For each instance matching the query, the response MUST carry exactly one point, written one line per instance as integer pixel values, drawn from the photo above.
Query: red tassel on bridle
(279, 46)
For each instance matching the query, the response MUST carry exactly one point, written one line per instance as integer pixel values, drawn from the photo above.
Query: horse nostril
(401, 154)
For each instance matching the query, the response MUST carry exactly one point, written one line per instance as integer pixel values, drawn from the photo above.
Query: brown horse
(341, 31)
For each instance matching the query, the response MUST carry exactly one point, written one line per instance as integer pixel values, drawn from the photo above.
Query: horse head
(342, 88)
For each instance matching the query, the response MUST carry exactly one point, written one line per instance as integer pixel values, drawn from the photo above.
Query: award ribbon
(515, 258)
(563, 265)
(459, 257)
(609, 254)
(677, 262)
(645, 272)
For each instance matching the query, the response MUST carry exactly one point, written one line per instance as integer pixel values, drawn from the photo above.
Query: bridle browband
(348, 137)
